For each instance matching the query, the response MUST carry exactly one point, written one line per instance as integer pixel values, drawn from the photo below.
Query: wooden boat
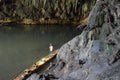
(35, 67)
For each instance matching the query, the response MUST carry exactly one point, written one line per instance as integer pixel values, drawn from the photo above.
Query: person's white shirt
(51, 47)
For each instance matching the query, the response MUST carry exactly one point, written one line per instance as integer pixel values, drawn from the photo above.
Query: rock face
(45, 9)
(34, 77)
(95, 53)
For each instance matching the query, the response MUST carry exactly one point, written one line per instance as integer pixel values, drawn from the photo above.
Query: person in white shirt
(51, 47)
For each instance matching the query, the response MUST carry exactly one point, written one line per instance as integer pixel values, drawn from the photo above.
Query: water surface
(23, 45)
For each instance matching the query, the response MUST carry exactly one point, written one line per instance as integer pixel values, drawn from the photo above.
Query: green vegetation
(47, 9)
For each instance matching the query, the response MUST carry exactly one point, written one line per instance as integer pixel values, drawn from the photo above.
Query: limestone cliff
(44, 11)
(95, 53)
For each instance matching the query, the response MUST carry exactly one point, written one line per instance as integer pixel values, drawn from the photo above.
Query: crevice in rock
(116, 57)
(82, 62)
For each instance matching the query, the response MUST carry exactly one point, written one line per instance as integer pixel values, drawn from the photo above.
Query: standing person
(50, 47)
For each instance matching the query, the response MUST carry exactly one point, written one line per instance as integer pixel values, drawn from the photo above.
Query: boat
(36, 67)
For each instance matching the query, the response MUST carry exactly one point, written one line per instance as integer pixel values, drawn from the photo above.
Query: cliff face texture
(38, 11)
(95, 53)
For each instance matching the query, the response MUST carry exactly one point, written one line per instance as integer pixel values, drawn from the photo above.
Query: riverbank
(39, 67)
(43, 21)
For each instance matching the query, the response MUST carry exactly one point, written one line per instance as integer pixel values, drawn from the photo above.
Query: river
(23, 45)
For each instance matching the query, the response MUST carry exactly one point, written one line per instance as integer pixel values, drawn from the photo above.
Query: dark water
(21, 46)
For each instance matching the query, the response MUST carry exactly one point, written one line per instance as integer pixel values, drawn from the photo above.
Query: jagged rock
(103, 11)
(95, 53)
(34, 77)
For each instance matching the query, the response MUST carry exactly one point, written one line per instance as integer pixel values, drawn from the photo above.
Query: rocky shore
(95, 53)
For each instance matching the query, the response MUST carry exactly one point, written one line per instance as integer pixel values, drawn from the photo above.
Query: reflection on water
(23, 45)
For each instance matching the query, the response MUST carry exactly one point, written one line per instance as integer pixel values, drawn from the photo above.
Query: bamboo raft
(35, 67)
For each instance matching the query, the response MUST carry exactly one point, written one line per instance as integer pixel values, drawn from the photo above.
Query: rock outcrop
(95, 53)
